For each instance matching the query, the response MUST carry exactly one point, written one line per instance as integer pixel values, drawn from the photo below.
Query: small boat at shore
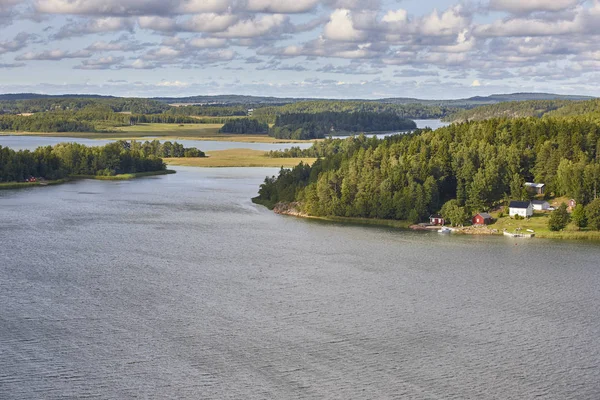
(445, 230)
(519, 235)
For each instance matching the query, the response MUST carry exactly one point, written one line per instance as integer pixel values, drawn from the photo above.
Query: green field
(238, 158)
(539, 224)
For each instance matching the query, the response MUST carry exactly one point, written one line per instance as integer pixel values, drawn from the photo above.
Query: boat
(519, 235)
(445, 229)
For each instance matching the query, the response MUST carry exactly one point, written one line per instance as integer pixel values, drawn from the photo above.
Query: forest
(474, 165)
(320, 125)
(68, 159)
(532, 108)
(269, 114)
(244, 126)
(91, 118)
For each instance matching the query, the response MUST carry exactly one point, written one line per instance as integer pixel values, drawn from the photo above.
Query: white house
(540, 205)
(521, 208)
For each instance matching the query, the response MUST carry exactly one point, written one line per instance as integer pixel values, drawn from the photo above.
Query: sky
(429, 49)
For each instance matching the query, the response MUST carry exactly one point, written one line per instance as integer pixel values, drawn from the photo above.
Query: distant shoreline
(120, 177)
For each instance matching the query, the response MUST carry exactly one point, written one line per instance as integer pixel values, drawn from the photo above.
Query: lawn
(238, 158)
(539, 224)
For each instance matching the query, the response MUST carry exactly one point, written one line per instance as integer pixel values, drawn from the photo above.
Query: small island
(63, 162)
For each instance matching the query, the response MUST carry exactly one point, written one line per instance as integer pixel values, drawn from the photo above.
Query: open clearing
(237, 158)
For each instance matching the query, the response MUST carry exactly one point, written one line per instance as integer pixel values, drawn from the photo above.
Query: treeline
(319, 125)
(411, 111)
(66, 159)
(132, 105)
(474, 165)
(532, 108)
(244, 126)
(163, 150)
(93, 118)
(327, 147)
(209, 111)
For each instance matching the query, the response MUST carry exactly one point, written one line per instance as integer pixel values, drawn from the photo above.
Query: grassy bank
(120, 177)
(238, 158)
(345, 220)
(539, 224)
(124, 177)
(163, 131)
(21, 185)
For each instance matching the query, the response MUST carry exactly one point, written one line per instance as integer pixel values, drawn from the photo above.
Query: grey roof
(485, 215)
(519, 204)
(536, 185)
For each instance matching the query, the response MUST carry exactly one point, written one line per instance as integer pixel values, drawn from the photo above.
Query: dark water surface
(179, 287)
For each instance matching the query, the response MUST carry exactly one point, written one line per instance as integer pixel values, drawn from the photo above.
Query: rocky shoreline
(292, 209)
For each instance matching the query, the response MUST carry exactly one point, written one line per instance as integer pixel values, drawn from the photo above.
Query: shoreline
(291, 209)
(120, 177)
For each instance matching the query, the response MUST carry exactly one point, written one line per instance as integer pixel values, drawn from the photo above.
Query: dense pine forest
(68, 159)
(319, 125)
(474, 166)
(244, 126)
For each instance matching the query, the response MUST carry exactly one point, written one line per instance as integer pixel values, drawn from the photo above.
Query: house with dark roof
(521, 208)
(482, 219)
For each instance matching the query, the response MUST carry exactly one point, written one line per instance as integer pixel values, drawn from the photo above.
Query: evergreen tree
(559, 218)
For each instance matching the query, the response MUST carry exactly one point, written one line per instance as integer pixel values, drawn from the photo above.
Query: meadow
(238, 158)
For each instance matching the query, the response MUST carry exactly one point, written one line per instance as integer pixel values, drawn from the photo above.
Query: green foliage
(319, 125)
(76, 103)
(244, 126)
(593, 214)
(410, 111)
(513, 109)
(559, 218)
(478, 164)
(453, 212)
(68, 159)
(579, 216)
(93, 118)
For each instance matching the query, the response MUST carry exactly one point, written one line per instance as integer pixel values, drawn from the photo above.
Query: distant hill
(34, 96)
(529, 108)
(264, 100)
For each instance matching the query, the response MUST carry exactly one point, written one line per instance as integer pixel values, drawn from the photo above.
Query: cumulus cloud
(529, 6)
(281, 6)
(98, 25)
(341, 27)
(254, 27)
(19, 42)
(126, 8)
(53, 55)
(100, 63)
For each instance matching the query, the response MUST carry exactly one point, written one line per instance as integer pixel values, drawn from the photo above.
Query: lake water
(33, 142)
(179, 287)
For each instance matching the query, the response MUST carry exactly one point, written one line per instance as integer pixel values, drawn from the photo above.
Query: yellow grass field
(238, 158)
